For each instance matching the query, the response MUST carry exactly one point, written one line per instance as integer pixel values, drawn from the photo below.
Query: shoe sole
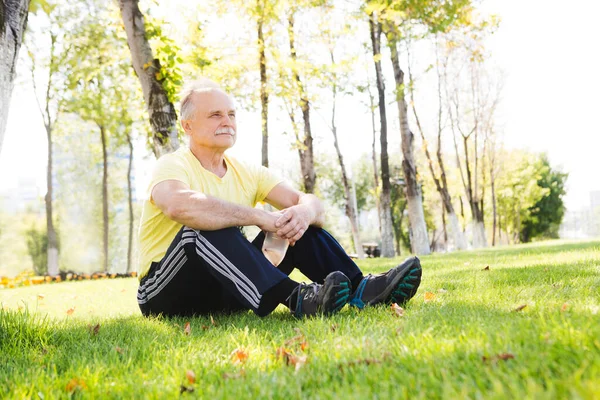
(336, 292)
(409, 284)
(404, 285)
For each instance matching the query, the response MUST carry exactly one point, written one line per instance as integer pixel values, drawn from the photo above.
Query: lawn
(526, 327)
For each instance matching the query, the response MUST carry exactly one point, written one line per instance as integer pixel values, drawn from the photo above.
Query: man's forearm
(199, 211)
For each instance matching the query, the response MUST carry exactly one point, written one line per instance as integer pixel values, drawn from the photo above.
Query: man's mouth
(225, 131)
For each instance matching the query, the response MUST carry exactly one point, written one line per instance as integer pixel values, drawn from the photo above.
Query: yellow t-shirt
(242, 184)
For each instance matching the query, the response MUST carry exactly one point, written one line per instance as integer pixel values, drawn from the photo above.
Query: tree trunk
(13, 21)
(130, 204)
(419, 241)
(51, 232)
(264, 95)
(374, 157)
(104, 196)
(163, 117)
(307, 162)
(387, 235)
(441, 182)
(351, 211)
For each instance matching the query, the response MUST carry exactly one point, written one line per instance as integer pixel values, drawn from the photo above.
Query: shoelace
(300, 295)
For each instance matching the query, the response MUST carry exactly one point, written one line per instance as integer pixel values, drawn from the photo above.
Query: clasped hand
(293, 222)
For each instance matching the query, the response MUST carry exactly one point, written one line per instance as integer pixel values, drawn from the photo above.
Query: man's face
(213, 125)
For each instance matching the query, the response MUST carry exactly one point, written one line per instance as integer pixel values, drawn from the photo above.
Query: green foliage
(545, 216)
(37, 246)
(167, 52)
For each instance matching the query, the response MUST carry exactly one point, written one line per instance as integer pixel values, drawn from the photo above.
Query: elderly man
(194, 258)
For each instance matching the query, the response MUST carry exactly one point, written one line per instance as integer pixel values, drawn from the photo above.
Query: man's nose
(228, 121)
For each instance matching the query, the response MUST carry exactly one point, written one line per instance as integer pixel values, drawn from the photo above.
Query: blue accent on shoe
(356, 300)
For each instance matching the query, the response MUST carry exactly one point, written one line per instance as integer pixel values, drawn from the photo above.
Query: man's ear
(186, 125)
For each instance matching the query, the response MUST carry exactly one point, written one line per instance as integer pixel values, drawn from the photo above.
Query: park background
(531, 64)
(493, 317)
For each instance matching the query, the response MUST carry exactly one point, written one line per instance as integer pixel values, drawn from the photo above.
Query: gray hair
(202, 85)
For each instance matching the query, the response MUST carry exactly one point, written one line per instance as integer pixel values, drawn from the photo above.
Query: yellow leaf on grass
(41, 296)
(191, 376)
(239, 356)
(520, 308)
(187, 328)
(429, 296)
(75, 384)
(70, 311)
(564, 307)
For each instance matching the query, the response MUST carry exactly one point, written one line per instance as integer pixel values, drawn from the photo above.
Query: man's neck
(212, 160)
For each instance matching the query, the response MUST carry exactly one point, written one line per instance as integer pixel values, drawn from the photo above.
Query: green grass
(436, 350)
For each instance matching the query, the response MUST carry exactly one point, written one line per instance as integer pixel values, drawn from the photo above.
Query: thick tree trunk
(419, 240)
(130, 204)
(163, 117)
(387, 235)
(264, 95)
(307, 161)
(104, 196)
(13, 20)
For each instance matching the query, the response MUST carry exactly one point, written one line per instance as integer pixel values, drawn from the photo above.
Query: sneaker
(398, 285)
(327, 298)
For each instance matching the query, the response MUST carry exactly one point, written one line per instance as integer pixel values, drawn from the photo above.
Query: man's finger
(283, 219)
(285, 231)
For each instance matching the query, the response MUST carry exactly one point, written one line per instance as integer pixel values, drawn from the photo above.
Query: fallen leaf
(564, 307)
(41, 296)
(304, 345)
(333, 327)
(497, 357)
(191, 376)
(119, 350)
(205, 327)
(520, 308)
(429, 296)
(487, 268)
(299, 361)
(70, 311)
(185, 389)
(291, 359)
(94, 330)
(506, 356)
(212, 321)
(75, 384)
(187, 328)
(398, 311)
(239, 356)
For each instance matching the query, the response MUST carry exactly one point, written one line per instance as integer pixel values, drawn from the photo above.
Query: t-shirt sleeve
(167, 168)
(266, 180)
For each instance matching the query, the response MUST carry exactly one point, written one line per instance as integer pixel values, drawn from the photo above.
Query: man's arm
(199, 211)
(299, 211)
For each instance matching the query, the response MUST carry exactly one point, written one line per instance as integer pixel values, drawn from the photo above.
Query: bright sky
(550, 100)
